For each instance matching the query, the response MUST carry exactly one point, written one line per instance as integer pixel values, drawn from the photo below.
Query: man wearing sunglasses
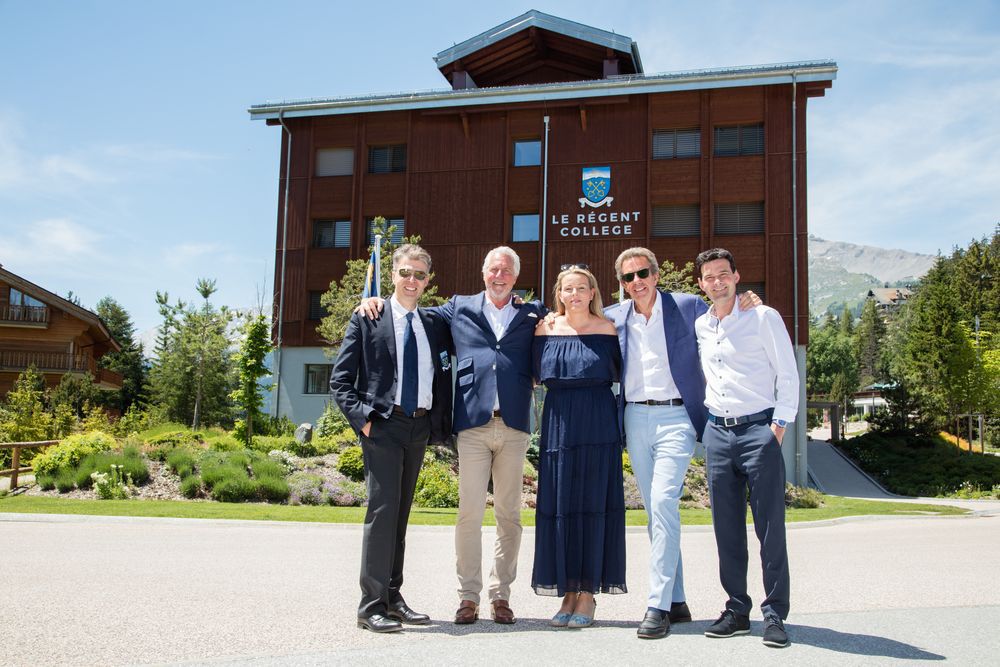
(662, 412)
(492, 337)
(392, 379)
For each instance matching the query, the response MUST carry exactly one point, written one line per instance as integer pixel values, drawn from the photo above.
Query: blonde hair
(596, 305)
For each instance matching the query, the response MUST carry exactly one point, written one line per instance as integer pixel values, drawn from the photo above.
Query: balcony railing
(46, 361)
(24, 314)
(60, 362)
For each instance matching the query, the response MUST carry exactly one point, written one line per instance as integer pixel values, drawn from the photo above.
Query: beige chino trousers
(493, 449)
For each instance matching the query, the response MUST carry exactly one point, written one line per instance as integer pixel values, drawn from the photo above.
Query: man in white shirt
(752, 388)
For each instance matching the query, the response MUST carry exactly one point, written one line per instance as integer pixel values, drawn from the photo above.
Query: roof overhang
(816, 72)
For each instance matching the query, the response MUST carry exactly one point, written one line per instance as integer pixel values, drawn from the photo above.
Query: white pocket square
(535, 315)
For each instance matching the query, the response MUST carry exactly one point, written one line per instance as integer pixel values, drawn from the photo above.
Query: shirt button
(727, 412)
(494, 366)
(498, 347)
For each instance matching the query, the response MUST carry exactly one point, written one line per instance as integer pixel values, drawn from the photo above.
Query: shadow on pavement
(858, 644)
(487, 626)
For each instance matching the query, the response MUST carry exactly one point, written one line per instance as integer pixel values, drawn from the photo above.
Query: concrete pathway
(107, 590)
(835, 474)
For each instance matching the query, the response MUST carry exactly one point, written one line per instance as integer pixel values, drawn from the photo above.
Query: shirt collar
(398, 311)
(489, 305)
(657, 308)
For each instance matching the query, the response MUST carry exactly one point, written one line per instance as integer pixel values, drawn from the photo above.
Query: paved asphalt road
(106, 590)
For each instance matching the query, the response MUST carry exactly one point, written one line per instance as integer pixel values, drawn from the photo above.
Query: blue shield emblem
(596, 183)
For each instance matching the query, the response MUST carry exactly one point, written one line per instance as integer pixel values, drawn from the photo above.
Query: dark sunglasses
(629, 277)
(406, 273)
(565, 267)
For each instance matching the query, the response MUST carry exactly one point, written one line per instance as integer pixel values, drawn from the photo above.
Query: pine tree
(869, 339)
(250, 368)
(129, 362)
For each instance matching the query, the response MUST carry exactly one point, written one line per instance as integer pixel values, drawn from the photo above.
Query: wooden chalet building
(56, 336)
(551, 140)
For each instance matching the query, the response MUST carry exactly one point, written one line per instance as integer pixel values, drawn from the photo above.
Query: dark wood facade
(460, 188)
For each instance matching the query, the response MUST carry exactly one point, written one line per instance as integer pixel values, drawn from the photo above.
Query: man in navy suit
(492, 338)
(662, 411)
(392, 379)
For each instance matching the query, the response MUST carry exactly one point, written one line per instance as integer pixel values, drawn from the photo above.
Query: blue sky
(128, 163)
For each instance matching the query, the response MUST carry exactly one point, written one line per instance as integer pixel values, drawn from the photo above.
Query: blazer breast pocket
(464, 373)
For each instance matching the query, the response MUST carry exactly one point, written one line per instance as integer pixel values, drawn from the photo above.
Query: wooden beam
(583, 118)
(465, 125)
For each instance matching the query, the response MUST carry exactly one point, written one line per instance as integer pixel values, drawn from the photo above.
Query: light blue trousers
(660, 443)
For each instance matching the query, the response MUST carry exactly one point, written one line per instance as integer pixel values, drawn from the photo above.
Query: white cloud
(158, 154)
(54, 246)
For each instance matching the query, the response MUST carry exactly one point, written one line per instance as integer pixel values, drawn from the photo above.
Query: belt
(419, 413)
(730, 422)
(672, 401)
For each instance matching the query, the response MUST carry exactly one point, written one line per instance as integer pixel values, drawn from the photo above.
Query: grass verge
(833, 508)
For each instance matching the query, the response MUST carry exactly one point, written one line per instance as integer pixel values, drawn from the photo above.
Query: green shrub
(214, 474)
(234, 488)
(529, 471)
(273, 489)
(626, 463)
(72, 450)
(83, 472)
(351, 463)
(345, 493)
(266, 467)
(437, 486)
(802, 497)
(224, 443)
(191, 486)
(181, 461)
(65, 480)
(45, 481)
(176, 438)
(331, 422)
(112, 485)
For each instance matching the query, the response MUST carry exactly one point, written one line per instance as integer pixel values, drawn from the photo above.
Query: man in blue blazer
(661, 407)
(492, 337)
(392, 379)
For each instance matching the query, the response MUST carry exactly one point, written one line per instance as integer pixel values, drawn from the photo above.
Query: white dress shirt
(499, 319)
(425, 362)
(749, 363)
(647, 370)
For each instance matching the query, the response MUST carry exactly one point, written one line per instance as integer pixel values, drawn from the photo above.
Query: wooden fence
(15, 463)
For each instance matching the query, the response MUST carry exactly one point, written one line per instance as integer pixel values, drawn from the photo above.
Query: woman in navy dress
(580, 512)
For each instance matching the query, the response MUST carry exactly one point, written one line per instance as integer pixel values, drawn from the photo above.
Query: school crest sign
(596, 183)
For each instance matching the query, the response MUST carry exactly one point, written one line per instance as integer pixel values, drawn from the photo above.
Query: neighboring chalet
(889, 299)
(53, 334)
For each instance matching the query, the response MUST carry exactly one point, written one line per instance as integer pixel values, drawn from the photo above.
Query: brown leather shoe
(468, 613)
(502, 612)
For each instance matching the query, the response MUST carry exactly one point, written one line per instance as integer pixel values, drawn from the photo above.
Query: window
(316, 309)
(756, 288)
(676, 220)
(318, 378)
(739, 140)
(527, 153)
(669, 144)
(523, 292)
(19, 298)
(525, 227)
(387, 159)
(332, 234)
(335, 162)
(743, 218)
(397, 234)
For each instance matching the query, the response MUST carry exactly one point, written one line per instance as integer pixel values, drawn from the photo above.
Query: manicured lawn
(834, 507)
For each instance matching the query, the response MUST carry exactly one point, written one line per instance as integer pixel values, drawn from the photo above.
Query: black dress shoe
(656, 625)
(679, 613)
(379, 623)
(404, 614)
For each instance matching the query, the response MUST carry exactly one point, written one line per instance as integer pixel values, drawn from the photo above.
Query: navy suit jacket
(679, 313)
(364, 376)
(486, 367)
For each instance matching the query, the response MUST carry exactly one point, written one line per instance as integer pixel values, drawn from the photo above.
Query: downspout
(801, 466)
(545, 205)
(284, 252)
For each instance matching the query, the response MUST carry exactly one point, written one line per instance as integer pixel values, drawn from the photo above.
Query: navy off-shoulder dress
(580, 511)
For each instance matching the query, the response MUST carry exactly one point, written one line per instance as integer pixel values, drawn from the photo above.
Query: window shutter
(742, 218)
(756, 288)
(676, 220)
(727, 141)
(752, 140)
(316, 310)
(689, 143)
(342, 235)
(663, 144)
(397, 235)
(335, 162)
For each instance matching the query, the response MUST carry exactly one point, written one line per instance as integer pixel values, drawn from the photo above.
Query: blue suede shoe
(560, 620)
(578, 621)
